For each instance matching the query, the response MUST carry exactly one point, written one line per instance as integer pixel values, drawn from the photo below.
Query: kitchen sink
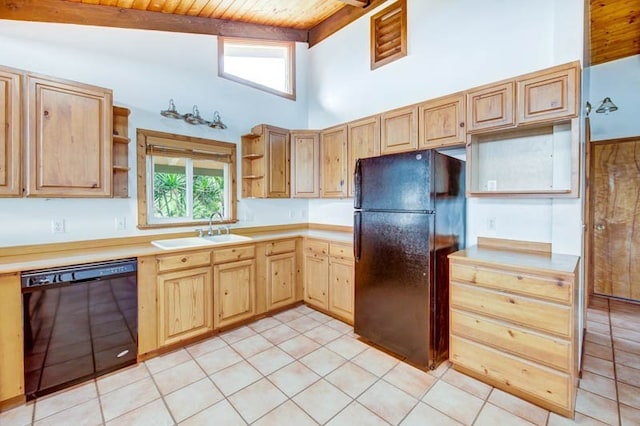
(189, 242)
(226, 238)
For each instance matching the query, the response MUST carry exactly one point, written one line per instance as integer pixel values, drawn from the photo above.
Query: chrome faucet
(217, 213)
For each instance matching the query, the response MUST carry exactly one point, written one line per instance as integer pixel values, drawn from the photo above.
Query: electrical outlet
(303, 213)
(491, 223)
(292, 214)
(121, 223)
(57, 226)
(492, 185)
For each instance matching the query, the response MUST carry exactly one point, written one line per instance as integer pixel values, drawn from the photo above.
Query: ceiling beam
(68, 12)
(339, 20)
(357, 3)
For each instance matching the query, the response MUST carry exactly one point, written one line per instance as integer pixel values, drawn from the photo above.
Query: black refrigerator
(409, 215)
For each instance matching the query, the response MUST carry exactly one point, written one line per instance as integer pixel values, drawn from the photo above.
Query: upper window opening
(265, 65)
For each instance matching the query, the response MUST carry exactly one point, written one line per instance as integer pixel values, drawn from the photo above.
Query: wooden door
(305, 165)
(549, 95)
(281, 280)
(491, 107)
(69, 139)
(10, 132)
(316, 280)
(333, 162)
(234, 298)
(442, 122)
(184, 305)
(278, 162)
(363, 141)
(399, 130)
(341, 288)
(616, 218)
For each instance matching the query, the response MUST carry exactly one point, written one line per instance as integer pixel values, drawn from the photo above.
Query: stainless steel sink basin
(226, 238)
(189, 242)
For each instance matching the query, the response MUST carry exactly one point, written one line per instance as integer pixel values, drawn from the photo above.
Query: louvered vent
(389, 34)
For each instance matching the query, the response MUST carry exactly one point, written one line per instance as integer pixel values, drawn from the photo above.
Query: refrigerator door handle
(357, 219)
(357, 182)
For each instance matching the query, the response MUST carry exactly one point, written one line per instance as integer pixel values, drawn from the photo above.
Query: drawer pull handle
(183, 260)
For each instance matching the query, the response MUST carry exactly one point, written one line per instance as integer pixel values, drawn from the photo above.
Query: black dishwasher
(80, 322)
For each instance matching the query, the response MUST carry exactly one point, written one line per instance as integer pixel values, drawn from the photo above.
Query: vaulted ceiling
(614, 25)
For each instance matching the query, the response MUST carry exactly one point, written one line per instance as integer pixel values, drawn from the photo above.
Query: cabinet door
(281, 280)
(10, 132)
(234, 298)
(341, 288)
(184, 305)
(490, 107)
(399, 130)
(69, 139)
(548, 96)
(278, 162)
(12, 347)
(333, 162)
(442, 122)
(305, 166)
(363, 141)
(316, 281)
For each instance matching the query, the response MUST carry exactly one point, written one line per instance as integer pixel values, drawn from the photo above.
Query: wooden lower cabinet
(281, 273)
(234, 297)
(11, 340)
(514, 322)
(184, 305)
(329, 277)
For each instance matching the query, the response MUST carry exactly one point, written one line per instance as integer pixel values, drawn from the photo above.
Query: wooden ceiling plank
(235, 7)
(208, 8)
(141, 4)
(356, 3)
(221, 7)
(61, 11)
(128, 4)
(339, 20)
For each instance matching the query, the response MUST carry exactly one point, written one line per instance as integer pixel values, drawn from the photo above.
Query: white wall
(453, 46)
(619, 80)
(144, 69)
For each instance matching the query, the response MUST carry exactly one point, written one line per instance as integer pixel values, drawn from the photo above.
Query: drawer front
(234, 253)
(512, 372)
(520, 310)
(284, 246)
(316, 247)
(558, 289)
(341, 250)
(183, 261)
(554, 352)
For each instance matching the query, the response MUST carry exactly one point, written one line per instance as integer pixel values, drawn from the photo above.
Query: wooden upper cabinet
(399, 130)
(11, 132)
(333, 162)
(69, 145)
(491, 107)
(442, 122)
(363, 141)
(549, 94)
(265, 162)
(305, 164)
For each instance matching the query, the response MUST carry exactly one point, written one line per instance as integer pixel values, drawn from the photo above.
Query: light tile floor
(301, 367)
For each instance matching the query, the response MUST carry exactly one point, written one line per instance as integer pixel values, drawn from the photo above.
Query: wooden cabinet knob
(183, 260)
(46, 114)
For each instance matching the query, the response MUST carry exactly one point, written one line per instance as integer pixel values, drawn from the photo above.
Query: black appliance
(79, 322)
(409, 215)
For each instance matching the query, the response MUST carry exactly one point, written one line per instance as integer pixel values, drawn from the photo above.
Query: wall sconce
(606, 106)
(193, 117)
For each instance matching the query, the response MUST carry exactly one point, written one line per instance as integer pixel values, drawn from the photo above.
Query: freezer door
(398, 182)
(393, 274)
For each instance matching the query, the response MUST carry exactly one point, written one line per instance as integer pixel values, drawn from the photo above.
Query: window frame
(291, 48)
(185, 144)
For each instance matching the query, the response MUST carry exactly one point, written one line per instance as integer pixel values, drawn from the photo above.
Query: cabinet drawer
(553, 352)
(312, 247)
(513, 373)
(341, 250)
(284, 246)
(182, 261)
(519, 310)
(234, 253)
(555, 289)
